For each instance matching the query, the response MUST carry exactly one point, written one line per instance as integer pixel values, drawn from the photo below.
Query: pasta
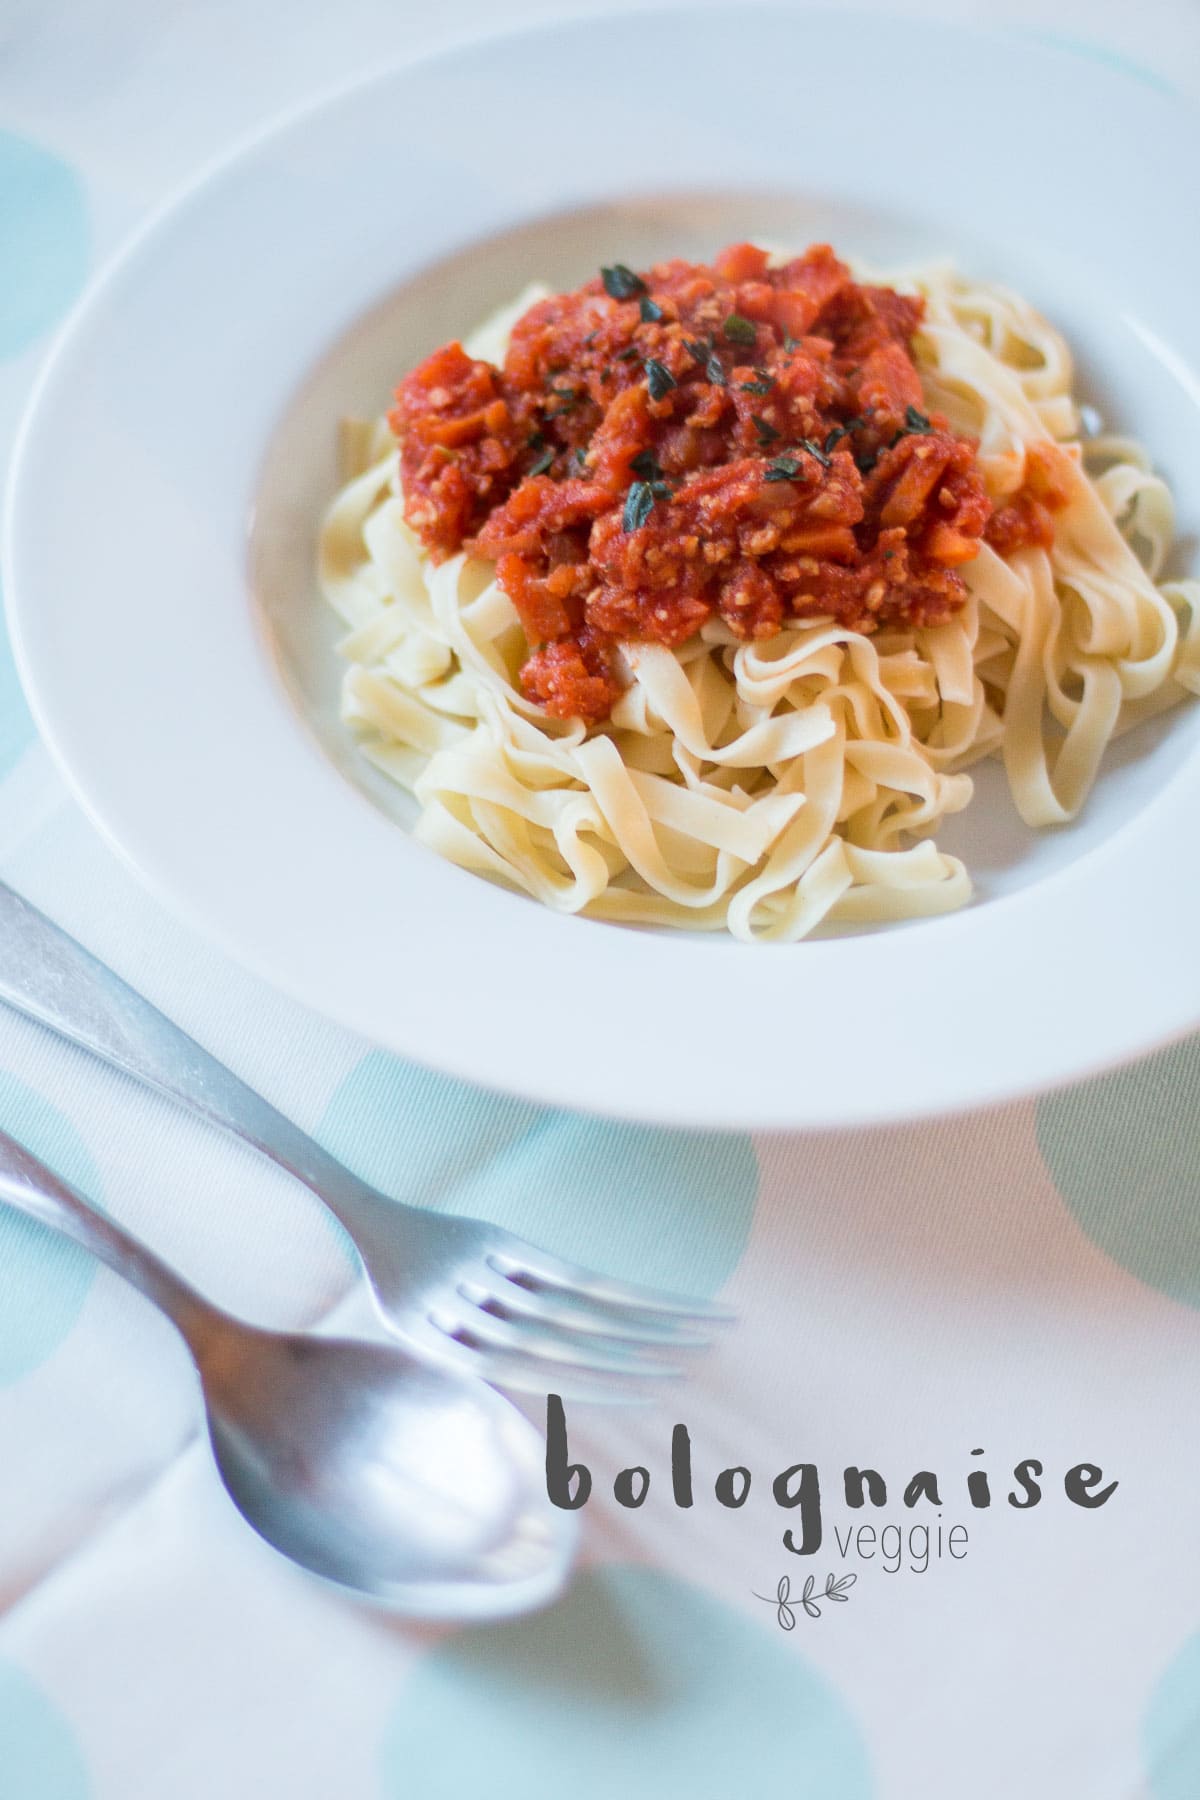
(769, 785)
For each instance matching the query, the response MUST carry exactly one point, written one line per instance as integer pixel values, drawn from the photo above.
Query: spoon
(417, 1486)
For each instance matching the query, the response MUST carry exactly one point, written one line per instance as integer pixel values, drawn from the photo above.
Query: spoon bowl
(400, 1479)
(406, 1482)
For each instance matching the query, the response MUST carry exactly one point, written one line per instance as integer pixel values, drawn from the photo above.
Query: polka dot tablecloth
(943, 1305)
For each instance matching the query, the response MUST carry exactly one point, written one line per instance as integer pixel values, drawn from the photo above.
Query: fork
(466, 1292)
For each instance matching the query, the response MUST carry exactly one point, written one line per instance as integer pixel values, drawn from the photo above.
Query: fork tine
(552, 1349)
(602, 1290)
(543, 1307)
(531, 1374)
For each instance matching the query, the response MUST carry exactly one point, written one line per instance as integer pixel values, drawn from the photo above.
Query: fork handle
(46, 974)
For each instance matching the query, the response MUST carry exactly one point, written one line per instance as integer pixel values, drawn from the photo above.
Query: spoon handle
(32, 1188)
(46, 974)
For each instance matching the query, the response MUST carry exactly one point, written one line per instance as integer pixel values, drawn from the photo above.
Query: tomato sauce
(740, 440)
(1028, 517)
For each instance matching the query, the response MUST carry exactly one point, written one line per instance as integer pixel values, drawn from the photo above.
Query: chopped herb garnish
(789, 342)
(592, 336)
(569, 398)
(659, 378)
(739, 330)
(639, 504)
(649, 309)
(535, 440)
(621, 283)
(629, 354)
(915, 424)
(706, 356)
(835, 437)
(767, 433)
(579, 456)
(543, 463)
(815, 450)
(763, 386)
(645, 465)
(784, 468)
(865, 464)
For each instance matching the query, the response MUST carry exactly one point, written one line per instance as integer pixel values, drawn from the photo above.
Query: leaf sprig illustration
(838, 1590)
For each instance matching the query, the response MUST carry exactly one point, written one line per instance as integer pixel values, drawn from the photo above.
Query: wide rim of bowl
(1032, 990)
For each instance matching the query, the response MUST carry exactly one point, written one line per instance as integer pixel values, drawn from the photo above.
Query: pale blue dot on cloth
(43, 1279)
(43, 240)
(1171, 1729)
(671, 1208)
(636, 1685)
(1124, 1153)
(39, 1757)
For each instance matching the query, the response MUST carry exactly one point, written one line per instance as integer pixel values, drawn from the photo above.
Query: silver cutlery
(373, 1468)
(474, 1295)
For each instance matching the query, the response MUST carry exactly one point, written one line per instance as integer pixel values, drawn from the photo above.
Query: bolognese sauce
(744, 440)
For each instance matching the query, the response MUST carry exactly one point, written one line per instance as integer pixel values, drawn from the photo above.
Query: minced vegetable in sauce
(743, 439)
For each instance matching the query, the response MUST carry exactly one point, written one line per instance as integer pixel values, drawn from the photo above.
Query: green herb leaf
(621, 283)
(815, 450)
(629, 354)
(639, 504)
(915, 425)
(543, 463)
(756, 387)
(789, 342)
(649, 309)
(579, 457)
(706, 355)
(739, 330)
(784, 468)
(835, 437)
(865, 464)
(659, 378)
(767, 433)
(645, 464)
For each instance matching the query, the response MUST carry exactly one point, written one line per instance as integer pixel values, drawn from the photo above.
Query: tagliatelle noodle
(770, 786)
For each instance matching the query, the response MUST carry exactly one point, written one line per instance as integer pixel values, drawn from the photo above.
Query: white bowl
(180, 448)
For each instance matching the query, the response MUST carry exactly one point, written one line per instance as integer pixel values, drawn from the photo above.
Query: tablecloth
(1012, 1291)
